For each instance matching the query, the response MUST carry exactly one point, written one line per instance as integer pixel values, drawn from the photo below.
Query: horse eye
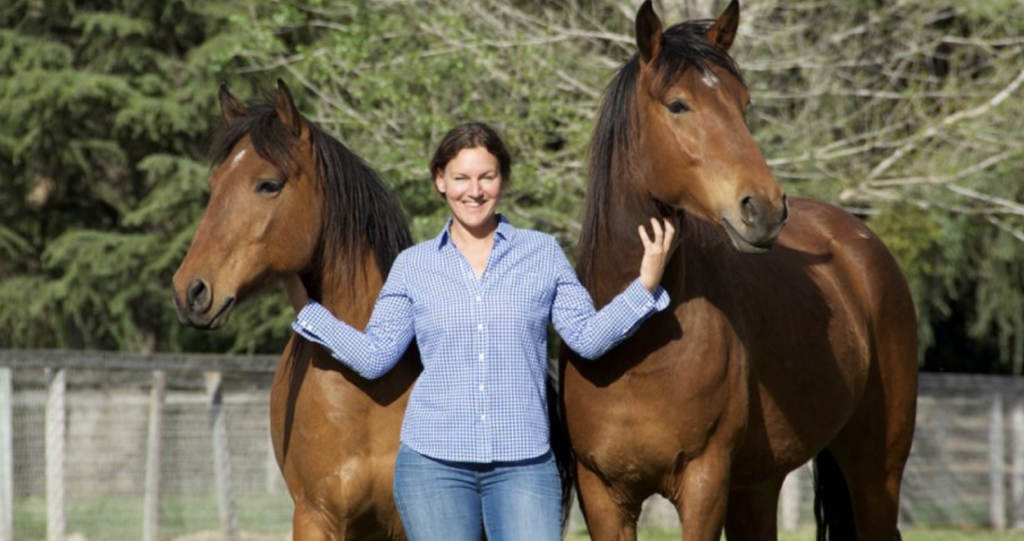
(678, 107)
(269, 186)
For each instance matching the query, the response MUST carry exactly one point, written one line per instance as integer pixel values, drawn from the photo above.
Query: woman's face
(471, 183)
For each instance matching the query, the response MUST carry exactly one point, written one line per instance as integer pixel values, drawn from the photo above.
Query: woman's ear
(439, 182)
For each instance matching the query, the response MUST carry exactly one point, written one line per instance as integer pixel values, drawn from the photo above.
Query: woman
(475, 448)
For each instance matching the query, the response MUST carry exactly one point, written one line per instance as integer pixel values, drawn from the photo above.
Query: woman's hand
(656, 253)
(297, 295)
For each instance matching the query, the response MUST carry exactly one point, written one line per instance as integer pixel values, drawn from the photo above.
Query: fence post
(6, 456)
(56, 432)
(1017, 450)
(154, 452)
(791, 501)
(996, 465)
(221, 456)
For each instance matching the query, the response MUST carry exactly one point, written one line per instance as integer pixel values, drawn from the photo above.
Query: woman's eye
(678, 107)
(269, 186)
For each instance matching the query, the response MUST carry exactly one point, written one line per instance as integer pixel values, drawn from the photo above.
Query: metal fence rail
(89, 435)
(112, 446)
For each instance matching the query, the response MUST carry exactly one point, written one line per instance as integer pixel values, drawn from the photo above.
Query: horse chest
(651, 413)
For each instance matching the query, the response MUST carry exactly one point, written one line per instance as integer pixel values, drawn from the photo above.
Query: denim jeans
(453, 501)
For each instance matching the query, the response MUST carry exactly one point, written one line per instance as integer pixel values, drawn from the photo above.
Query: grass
(808, 535)
(119, 518)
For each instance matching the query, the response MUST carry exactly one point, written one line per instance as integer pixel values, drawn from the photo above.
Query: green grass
(117, 518)
(808, 535)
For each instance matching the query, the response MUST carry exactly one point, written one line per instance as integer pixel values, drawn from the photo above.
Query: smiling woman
(477, 448)
(471, 169)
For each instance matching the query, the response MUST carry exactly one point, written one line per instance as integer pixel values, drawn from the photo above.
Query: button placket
(482, 345)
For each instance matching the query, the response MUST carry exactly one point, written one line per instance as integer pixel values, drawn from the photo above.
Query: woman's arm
(371, 353)
(591, 333)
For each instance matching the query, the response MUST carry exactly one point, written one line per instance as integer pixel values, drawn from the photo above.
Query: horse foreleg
(608, 517)
(701, 502)
(308, 525)
(752, 513)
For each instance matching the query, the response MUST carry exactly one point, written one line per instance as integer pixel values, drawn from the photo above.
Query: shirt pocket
(528, 300)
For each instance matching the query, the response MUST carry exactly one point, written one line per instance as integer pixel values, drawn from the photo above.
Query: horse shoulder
(860, 259)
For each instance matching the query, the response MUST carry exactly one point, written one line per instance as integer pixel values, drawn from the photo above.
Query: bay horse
(764, 359)
(287, 199)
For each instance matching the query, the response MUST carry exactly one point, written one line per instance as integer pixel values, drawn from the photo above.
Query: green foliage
(394, 77)
(105, 114)
(904, 113)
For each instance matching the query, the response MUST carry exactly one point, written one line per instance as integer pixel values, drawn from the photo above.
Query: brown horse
(288, 199)
(761, 362)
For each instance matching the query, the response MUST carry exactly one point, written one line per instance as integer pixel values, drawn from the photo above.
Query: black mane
(357, 204)
(683, 46)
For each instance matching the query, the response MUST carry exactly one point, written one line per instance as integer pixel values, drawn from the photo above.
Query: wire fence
(106, 446)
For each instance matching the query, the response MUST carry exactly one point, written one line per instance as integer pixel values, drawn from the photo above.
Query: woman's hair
(472, 135)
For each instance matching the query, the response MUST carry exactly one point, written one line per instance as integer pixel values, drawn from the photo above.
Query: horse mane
(613, 145)
(358, 205)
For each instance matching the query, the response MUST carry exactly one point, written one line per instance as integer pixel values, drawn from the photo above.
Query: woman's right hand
(656, 253)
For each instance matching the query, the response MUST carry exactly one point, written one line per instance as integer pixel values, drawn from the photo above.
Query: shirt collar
(505, 231)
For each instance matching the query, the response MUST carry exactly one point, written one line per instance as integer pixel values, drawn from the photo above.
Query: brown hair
(472, 135)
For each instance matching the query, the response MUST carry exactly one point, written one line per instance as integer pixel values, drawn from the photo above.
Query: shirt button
(480, 327)
(481, 356)
(478, 298)
(481, 386)
(483, 417)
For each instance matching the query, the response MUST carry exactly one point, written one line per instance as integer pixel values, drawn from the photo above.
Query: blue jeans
(454, 501)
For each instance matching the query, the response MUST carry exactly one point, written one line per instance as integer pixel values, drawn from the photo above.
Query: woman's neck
(477, 236)
(474, 243)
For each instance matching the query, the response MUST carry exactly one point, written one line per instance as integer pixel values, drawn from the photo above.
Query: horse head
(263, 217)
(694, 151)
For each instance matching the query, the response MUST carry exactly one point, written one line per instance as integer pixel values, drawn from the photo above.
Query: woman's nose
(474, 188)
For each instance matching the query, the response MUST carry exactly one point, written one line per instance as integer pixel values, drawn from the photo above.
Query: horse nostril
(748, 210)
(198, 296)
(785, 209)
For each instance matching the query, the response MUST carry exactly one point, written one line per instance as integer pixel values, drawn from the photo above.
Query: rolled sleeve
(642, 301)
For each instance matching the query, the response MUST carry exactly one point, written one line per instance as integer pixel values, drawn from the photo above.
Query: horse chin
(745, 246)
(216, 321)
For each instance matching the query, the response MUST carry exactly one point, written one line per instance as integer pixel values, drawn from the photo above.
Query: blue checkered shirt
(481, 397)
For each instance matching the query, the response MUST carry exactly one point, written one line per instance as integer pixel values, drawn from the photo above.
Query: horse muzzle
(198, 308)
(756, 224)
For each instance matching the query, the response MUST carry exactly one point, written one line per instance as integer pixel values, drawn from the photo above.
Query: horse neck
(351, 296)
(615, 261)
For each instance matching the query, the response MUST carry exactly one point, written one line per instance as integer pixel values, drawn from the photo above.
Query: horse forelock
(357, 204)
(683, 47)
(613, 146)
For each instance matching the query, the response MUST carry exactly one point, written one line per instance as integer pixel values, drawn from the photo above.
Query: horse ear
(723, 32)
(286, 110)
(230, 108)
(648, 32)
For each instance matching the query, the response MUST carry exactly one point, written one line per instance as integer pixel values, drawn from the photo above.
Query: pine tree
(105, 113)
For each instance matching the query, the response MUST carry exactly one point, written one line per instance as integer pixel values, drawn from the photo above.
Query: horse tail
(562, 450)
(833, 510)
